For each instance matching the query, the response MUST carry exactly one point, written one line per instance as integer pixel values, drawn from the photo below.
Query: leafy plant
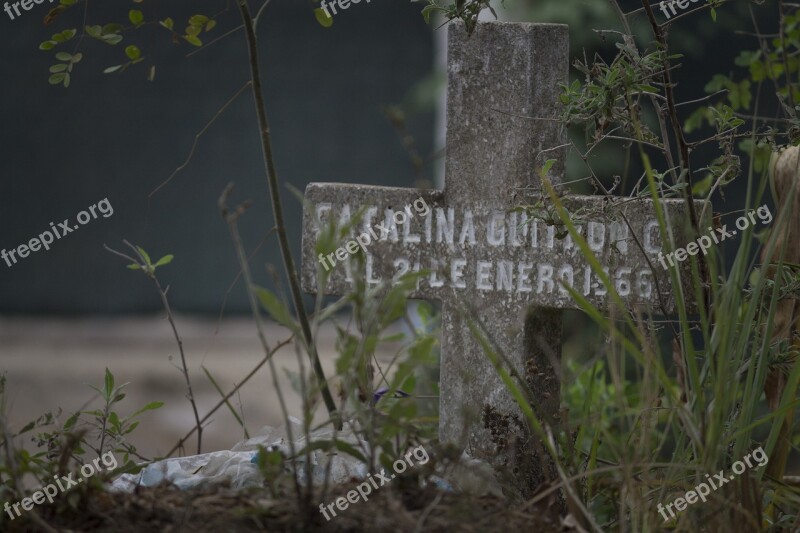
(62, 449)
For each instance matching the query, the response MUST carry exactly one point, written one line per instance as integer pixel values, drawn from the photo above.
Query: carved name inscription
(513, 253)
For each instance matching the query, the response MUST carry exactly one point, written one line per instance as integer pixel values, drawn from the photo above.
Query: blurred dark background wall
(119, 136)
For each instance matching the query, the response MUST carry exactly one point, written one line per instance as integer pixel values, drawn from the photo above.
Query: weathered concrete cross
(506, 267)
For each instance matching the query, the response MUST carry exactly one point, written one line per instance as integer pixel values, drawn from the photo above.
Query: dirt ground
(396, 508)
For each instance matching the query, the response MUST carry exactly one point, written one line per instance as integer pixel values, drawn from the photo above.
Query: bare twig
(257, 18)
(223, 401)
(238, 275)
(683, 145)
(197, 137)
(231, 219)
(221, 37)
(238, 418)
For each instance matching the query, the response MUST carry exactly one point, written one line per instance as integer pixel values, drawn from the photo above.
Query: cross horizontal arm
(524, 255)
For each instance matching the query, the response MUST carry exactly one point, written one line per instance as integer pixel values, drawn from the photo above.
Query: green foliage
(273, 467)
(136, 17)
(57, 38)
(111, 429)
(277, 309)
(662, 403)
(61, 71)
(61, 449)
(465, 10)
(325, 20)
(108, 33)
(387, 403)
(112, 34)
(610, 93)
(738, 95)
(197, 25)
(146, 265)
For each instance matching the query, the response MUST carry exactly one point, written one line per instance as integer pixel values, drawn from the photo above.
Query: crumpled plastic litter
(195, 471)
(237, 469)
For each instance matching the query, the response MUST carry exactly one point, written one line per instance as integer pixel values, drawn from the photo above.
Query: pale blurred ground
(50, 363)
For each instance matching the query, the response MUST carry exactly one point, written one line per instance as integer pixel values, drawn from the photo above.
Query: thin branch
(277, 208)
(197, 137)
(228, 396)
(698, 100)
(238, 418)
(781, 25)
(221, 37)
(238, 275)
(231, 220)
(683, 146)
(688, 13)
(258, 15)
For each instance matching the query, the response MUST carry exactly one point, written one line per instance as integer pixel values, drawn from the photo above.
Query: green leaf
(94, 31)
(136, 17)
(145, 255)
(133, 52)
(29, 426)
(397, 337)
(647, 88)
(47, 45)
(746, 57)
(427, 10)
(134, 266)
(109, 383)
(64, 56)
(149, 407)
(702, 187)
(198, 20)
(192, 39)
(211, 25)
(167, 259)
(275, 308)
(112, 39)
(61, 67)
(168, 23)
(55, 79)
(324, 19)
(71, 420)
(66, 80)
(69, 34)
(112, 28)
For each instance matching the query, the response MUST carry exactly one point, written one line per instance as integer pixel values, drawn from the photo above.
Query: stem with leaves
(143, 263)
(277, 209)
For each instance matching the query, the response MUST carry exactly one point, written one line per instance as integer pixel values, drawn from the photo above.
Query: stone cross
(506, 267)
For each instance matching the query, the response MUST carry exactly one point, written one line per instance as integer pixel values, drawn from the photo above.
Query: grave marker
(501, 264)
